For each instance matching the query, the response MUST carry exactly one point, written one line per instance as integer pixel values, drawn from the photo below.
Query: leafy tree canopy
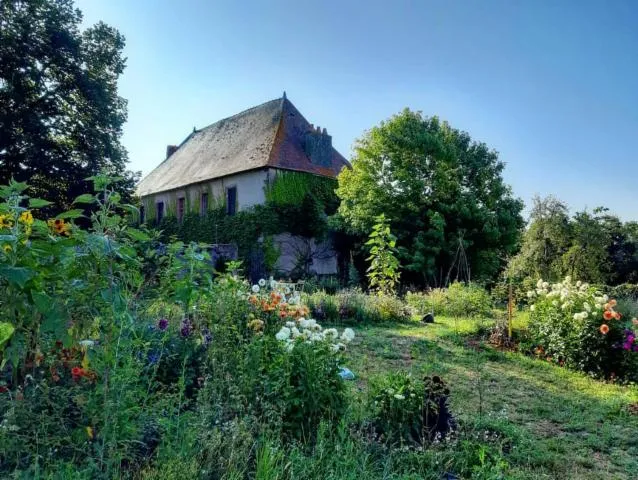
(60, 114)
(442, 193)
(590, 246)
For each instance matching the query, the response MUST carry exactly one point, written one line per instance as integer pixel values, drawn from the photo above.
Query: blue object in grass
(346, 374)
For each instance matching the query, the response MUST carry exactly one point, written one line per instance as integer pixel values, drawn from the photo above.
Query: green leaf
(38, 203)
(76, 213)
(43, 302)
(17, 275)
(137, 235)
(6, 331)
(85, 198)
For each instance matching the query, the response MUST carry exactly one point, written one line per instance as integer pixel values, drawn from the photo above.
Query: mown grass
(543, 420)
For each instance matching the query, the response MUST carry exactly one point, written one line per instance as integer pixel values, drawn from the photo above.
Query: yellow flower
(26, 218)
(6, 248)
(59, 227)
(6, 221)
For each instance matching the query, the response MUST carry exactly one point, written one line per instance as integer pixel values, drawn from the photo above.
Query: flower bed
(573, 324)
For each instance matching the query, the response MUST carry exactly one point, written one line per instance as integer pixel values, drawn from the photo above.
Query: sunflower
(6, 248)
(604, 329)
(26, 218)
(6, 221)
(59, 226)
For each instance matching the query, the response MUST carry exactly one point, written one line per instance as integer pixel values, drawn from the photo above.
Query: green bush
(459, 300)
(355, 306)
(409, 410)
(575, 325)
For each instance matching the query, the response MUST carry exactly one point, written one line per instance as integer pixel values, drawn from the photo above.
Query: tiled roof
(269, 135)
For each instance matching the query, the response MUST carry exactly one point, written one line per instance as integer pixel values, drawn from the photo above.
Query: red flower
(608, 315)
(77, 372)
(3, 389)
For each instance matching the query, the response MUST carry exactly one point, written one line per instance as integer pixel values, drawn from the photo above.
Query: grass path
(548, 422)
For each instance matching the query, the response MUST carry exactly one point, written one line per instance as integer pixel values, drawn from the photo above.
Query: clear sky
(551, 85)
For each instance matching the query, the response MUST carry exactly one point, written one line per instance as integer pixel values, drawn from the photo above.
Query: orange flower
(617, 315)
(608, 315)
(613, 302)
(607, 306)
(253, 299)
(604, 329)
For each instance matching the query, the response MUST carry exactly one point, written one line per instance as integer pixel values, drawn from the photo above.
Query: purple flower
(162, 324)
(186, 328)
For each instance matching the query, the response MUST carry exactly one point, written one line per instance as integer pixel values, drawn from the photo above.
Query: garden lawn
(543, 420)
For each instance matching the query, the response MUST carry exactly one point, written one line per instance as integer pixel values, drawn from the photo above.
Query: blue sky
(551, 85)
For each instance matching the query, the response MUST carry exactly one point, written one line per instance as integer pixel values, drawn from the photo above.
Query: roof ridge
(243, 112)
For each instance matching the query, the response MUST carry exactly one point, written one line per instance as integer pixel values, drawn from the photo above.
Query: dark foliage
(60, 114)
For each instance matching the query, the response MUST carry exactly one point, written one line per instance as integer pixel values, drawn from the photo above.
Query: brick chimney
(318, 146)
(170, 150)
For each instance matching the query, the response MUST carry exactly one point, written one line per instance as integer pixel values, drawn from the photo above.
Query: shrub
(459, 300)
(408, 410)
(575, 325)
(358, 307)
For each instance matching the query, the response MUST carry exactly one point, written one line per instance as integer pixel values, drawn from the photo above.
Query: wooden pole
(510, 308)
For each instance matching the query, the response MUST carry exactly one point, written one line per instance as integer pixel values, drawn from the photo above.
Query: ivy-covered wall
(296, 203)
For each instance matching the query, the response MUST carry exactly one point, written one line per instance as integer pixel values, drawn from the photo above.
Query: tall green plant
(383, 272)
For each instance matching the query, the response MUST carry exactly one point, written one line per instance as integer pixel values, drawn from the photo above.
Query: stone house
(232, 161)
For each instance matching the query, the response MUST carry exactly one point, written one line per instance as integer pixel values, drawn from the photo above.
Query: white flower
(398, 396)
(597, 306)
(539, 284)
(291, 324)
(605, 298)
(348, 335)
(290, 345)
(283, 334)
(262, 282)
(532, 308)
(295, 332)
(308, 323)
(555, 303)
(531, 293)
(316, 337)
(330, 334)
(576, 316)
(587, 307)
(255, 288)
(545, 285)
(584, 315)
(579, 283)
(338, 347)
(287, 290)
(87, 343)
(273, 284)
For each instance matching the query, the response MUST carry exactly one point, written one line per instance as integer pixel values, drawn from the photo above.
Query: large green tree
(442, 193)
(60, 113)
(590, 246)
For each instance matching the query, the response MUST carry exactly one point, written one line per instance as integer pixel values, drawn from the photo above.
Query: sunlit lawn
(549, 422)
